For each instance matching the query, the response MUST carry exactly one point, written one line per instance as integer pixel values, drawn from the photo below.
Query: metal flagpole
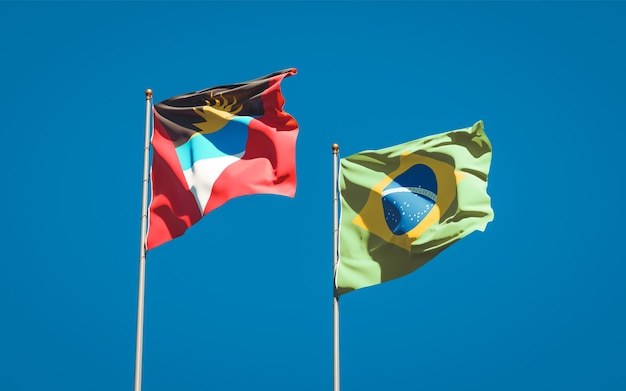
(142, 246)
(335, 262)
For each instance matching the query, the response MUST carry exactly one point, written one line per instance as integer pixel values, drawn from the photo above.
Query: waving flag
(217, 144)
(403, 205)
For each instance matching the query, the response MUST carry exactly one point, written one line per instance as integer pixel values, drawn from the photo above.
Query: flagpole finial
(335, 148)
(148, 94)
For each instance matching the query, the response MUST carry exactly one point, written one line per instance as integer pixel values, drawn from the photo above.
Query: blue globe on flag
(409, 198)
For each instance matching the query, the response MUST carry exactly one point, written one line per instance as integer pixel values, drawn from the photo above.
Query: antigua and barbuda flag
(401, 206)
(216, 144)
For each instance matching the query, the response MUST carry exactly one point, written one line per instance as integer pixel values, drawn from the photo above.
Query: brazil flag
(403, 205)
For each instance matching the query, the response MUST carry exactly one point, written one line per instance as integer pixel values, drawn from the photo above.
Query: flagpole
(335, 262)
(142, 246)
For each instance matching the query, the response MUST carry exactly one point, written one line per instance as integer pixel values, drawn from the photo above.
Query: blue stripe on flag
(230, 140)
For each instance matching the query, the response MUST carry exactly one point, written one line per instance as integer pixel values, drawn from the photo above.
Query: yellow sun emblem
(216, 113)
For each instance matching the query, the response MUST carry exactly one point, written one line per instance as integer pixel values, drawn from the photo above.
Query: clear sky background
(243, 301)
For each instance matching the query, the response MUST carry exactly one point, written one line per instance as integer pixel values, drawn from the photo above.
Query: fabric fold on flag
(216, 144)
(403, 205)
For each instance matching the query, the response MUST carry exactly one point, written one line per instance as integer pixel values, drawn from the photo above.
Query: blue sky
(244, 299)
